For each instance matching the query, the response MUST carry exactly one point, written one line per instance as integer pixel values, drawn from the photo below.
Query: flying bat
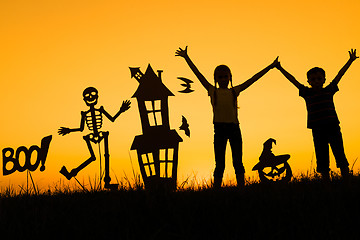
(186, 85)
(185, 126)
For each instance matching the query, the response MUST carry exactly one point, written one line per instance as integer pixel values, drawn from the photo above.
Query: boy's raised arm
(352, 57)
(254, 78)
(290, 77)
(183, 53)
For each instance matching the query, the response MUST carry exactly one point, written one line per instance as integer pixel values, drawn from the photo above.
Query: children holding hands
(321, 119)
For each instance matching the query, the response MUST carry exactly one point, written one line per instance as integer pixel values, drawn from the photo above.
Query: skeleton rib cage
(97, 121)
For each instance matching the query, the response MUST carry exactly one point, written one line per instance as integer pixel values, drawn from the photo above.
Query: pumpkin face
(273, 168)
(278, 173)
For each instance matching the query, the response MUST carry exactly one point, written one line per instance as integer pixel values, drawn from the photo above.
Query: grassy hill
(302, 209)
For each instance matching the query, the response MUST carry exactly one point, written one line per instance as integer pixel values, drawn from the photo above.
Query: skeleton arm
(64, 130)
(124, 107)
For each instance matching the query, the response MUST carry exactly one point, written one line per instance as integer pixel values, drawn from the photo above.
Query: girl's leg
(220, 140)
(236, 150)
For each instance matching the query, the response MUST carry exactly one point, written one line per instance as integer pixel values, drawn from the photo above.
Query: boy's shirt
(320, 105)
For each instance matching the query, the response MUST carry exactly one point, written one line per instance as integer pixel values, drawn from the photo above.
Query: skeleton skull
(91, 96)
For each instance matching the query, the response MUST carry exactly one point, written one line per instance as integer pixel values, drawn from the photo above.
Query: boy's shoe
(325, 177)
(345, 174)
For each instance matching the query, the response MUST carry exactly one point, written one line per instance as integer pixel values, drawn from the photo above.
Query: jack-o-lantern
(273, 168)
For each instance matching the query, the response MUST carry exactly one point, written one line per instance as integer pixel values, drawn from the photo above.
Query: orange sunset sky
(52, 50)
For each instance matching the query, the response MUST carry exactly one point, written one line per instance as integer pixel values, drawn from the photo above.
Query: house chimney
(159, 73)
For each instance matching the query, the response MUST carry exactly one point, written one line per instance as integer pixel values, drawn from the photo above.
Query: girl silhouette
(225, 116)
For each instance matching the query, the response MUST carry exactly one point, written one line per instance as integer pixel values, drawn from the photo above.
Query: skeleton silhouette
(93, 119)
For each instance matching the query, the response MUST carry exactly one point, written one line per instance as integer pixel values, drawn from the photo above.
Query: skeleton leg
(75, 171)
(107, 178)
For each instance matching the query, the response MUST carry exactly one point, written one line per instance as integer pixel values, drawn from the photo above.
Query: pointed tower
(158, 147)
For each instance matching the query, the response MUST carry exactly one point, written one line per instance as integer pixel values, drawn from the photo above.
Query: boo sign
(11, 158)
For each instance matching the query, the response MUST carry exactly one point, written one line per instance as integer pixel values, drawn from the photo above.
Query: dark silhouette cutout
(8, 157)
(158, 147)
(185, 126)
(93, 119)
(279, 168)
(226, 123)
(186, 85)
(322, 117)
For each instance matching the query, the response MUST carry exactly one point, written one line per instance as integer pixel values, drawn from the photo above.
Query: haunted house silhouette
(158, 147)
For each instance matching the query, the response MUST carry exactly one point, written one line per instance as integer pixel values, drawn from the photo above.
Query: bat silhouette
(185, 126)
(186, 85)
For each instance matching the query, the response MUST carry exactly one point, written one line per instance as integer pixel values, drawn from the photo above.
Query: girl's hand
(181, 52)
(352, 54)
(275, 63)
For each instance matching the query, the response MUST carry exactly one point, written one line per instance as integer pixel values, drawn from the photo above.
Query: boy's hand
(181, 52)
(275, 63)
(278, 65)
(352, 54)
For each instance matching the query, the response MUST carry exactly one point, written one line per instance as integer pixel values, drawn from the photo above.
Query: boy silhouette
(322, 118)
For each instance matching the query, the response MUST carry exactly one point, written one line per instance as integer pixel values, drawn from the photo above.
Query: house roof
(162, 140)
(151, 87)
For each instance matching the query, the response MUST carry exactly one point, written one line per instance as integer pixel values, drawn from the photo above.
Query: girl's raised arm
(183, 53)
(253, 79)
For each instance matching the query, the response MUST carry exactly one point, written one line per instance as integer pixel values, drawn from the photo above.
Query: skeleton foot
(66, 173)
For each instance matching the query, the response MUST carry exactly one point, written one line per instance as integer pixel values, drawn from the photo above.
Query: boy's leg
(337, 146)
(236, 150)
(220, 140)
(321, 145)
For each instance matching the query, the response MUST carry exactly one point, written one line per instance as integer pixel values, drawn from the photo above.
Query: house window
(148, 163)
(138, 75)
(153, 109)
(166, 159)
